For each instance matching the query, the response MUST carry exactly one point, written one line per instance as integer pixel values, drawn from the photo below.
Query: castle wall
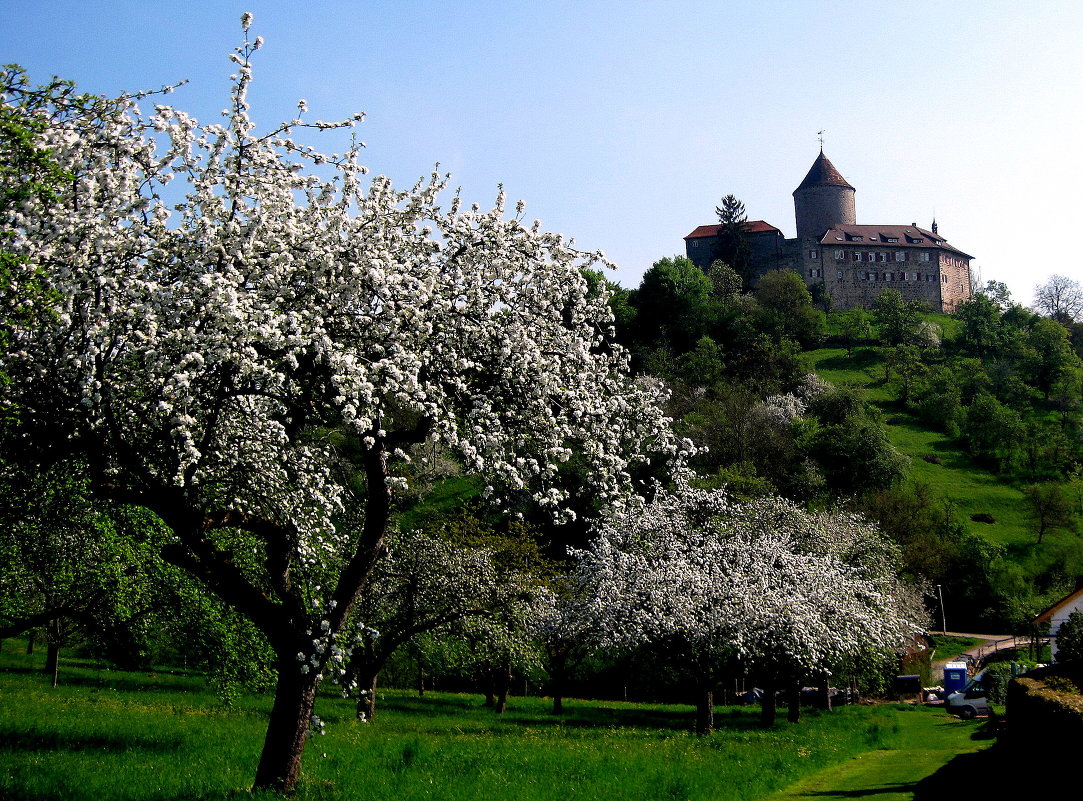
(938, 278)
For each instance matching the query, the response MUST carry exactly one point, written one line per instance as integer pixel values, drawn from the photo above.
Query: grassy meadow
(971, 488)
(105, 734)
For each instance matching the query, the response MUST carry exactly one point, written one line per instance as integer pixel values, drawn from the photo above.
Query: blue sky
(623, 123)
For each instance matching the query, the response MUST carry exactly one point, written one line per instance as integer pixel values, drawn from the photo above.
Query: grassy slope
(911, 767)
(957, 478)
(138, 737)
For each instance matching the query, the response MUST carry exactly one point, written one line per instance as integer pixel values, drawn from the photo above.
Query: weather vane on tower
(820, 135)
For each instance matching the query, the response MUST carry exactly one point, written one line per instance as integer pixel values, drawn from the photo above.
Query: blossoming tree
(764, 586)
(426, 584)
(205, 347)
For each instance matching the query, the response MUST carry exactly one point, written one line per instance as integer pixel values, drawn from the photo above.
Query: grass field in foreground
(118, 736)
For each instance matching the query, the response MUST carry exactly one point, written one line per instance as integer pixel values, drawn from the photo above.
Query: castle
(852, 263)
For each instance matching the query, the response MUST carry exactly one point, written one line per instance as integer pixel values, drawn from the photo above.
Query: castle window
(814, 254)
(857, 255)
(838, 274)
(840, 255)
(892, 239)
(881, 256)
(925, 255)
(889, 276)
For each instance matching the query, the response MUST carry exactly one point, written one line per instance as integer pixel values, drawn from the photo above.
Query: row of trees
(238, 377)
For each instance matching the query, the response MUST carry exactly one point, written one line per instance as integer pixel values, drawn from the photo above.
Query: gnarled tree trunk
(295, 698)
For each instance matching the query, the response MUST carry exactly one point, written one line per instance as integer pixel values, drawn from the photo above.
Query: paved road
(989, 642)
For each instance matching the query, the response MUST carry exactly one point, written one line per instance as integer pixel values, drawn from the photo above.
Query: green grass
(970, 487)
(150, 737)
(917, 766)
(950, 647)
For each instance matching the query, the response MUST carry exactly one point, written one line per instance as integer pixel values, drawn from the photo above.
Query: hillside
(935, 458)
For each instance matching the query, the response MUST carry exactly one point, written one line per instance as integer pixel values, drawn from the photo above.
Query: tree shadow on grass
(987, 773)
(868, 792)
(63, 793)
(13, 740)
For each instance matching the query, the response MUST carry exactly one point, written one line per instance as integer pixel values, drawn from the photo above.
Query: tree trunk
(705, 712)
(295, 697)
(768, 705)
(793, 714)
(30, 642)
(420, 677)
(490, 686)
(52, 661)
(366, 696)
(825, 693)
(557, 671)
(503, 682)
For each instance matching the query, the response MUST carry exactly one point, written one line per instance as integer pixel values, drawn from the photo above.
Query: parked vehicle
(972, 700)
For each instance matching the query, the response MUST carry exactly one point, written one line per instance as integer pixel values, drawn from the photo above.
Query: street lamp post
(943, 615)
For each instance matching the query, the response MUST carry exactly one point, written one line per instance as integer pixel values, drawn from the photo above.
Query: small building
(852, 263)
(1058, 613)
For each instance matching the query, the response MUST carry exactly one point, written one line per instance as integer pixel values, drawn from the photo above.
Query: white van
(970, 701)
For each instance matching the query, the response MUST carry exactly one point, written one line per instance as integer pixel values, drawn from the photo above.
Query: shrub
(1070, 638)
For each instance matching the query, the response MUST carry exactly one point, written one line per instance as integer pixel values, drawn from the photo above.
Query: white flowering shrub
(211, 303)
(778, 412)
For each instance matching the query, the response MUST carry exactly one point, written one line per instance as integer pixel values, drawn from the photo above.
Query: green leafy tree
(725, 282)
(857, 456)
(673, 305)
(1049, 509)
(856, 326)
(992, 430)
(1070, 638)
(1051, 353)
(982, 331)
(897, 320)
(998, 293)
(703, 366)
(786, 309)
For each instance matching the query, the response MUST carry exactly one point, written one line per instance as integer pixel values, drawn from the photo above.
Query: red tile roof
(750, 227)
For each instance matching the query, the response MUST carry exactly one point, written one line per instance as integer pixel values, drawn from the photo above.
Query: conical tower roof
(823, 173)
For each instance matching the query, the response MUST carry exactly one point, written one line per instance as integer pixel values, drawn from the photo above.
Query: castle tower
(823, 200)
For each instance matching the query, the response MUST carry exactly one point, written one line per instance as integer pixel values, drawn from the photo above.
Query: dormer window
(892, 239)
